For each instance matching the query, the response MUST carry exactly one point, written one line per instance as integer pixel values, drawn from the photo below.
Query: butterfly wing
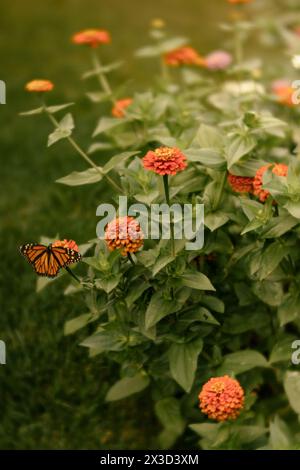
(47, 261)
(64, 256)
(37, 255)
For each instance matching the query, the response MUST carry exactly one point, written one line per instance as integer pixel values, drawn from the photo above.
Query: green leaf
(126, 387)
(208, 157)
(209, 137)
(197, 280)
(213, 303)
(66, 125)
(278, 226)
(282, 350)
(271, 257)
(216, 219)
(103, 69)
(199, 314)
(241, 361)
(115, 161)
(289, 310)
(79, 178)
(111, 337)
(269, 292)
(100, 146)
(238, 147)
(292, 389)
(158, 309)
(59, 107)
(183, 360)
(107, 123)
(32, 112)
(108, 283)
(280, 436)
(137, 288)
(173, 43)
(169, 414)
(293, 208)
(71, 326)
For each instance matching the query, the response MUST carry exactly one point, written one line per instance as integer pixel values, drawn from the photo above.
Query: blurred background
(52, 394)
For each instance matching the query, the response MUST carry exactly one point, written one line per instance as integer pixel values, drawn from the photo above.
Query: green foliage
(172, 318)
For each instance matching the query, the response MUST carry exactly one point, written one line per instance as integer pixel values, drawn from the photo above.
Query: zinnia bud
(279, 169)
(119, 107)
(184, 56)
(124, 233)
(221, 398)
(240, 184)
(165, 161)
(39, 86)
(92, 37)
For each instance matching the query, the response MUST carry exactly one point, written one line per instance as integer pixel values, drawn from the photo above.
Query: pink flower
(218, 60)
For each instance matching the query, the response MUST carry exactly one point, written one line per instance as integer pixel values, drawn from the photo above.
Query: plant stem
(167, 194)
(101, 76)
(130, 258)
(219, 194)
(82, 153)
(72, 274)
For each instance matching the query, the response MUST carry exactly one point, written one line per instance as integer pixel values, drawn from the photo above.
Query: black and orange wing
(47, 261)
(64, 256)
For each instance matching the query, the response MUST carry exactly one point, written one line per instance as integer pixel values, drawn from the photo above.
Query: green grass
(52, 394)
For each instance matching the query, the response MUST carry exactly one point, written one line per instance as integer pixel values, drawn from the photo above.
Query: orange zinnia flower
(124, 233)
(240, 184)
(279, 169)
(221, 398)
(165, 161)
(284, 92)
(119, 107)
(66, 244)
(184, 56)
(39, 86)
(92, 37)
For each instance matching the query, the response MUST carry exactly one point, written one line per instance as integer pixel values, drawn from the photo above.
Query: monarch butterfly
(48, 260)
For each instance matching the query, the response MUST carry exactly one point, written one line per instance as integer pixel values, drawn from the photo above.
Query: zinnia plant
(221, 319)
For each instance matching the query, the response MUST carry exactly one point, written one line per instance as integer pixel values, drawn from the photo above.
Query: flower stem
(72, 274)
(83, 154)
(167, 194)
(101, 76)
(130, 258)
(219, 194)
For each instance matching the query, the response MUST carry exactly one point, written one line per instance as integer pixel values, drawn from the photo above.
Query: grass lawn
(51, 392)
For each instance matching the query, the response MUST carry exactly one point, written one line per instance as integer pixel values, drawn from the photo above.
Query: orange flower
(66, 244)
(165, 161)
(221, 398)
(279, 169)
(124, 233)
(240, 184)
(92, 37)
(119, 107)
(184, 56)
(39, 86)
(284, 92)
